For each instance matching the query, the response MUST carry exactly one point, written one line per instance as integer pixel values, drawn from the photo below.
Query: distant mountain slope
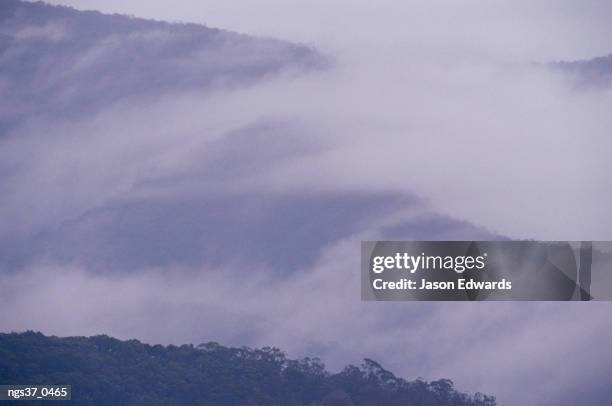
(63, 65)
(59, 65)
(594, 71)
(57, 60)
(104, 370)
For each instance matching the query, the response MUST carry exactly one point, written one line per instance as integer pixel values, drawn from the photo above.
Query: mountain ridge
(104, 370)
(56, 60)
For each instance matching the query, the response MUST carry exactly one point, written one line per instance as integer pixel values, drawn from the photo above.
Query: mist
(233, 211)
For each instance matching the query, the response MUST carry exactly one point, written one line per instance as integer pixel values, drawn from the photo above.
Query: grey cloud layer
(141, 200)
(526, 353)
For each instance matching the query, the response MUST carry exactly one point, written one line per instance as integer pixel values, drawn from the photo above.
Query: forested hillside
(58, 61)
(106, 371)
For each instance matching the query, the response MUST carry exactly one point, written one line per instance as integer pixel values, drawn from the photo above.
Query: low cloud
(552, 352)
(180, 212)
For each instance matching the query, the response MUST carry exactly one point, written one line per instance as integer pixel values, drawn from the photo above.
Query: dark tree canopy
(106, 371)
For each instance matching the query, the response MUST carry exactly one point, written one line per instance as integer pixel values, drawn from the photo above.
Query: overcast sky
(521, 30)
